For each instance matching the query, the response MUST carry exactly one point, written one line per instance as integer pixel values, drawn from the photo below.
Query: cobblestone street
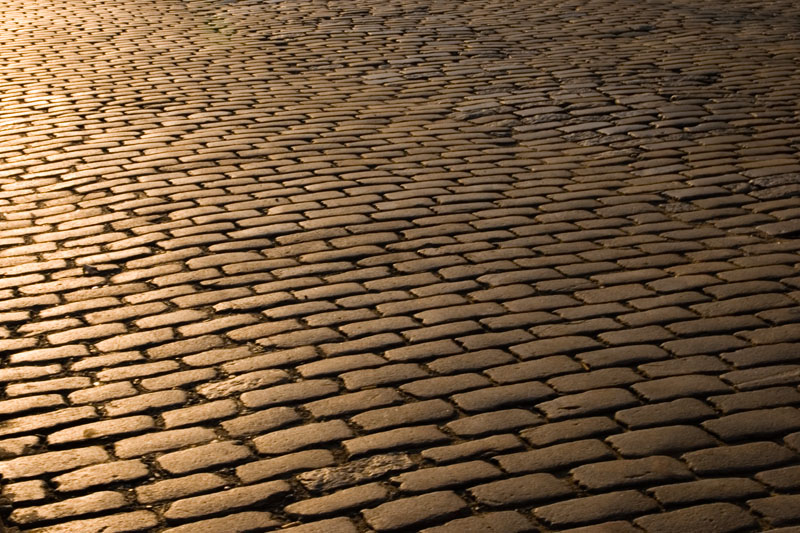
(348, 266)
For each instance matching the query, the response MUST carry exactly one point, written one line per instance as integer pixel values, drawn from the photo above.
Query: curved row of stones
(400, 266)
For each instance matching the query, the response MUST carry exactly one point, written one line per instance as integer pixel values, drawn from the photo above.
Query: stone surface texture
(353, 266)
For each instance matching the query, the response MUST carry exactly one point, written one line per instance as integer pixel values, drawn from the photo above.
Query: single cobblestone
(414, 511)
(289, 440)
(450, 476)
(595, 508)
(196, 506)
(502, 521)
(333, 525)
(488, 447)
(101, 474)
(81, 505)
(660, 440)
(161, 441)
(717, 517)
(738, 458)
(779, 510)
(131, 521)
(356, 497)
(522, 490)
(555, 457)
(288, 463)
(628, 473)
(400, 438)
(236, 522)
(704, 490)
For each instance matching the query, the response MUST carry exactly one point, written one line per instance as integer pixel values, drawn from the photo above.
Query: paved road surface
(400, 265)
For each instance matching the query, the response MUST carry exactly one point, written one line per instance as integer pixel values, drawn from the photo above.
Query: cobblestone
(101, 474)
(676, 411)
(628, 473)
(555, 457)
(50, 462)
(779, 510)
(105, 428)
(284, 464)
(401, 438)
(414, 511)
(356, 497)
(131, 521)
(309, 268)
(488, 446)
(567, 430)
(333, 525)
(738, 458)
(587, 403)
(758, 423)
(407, 414)
(216, 502)
(161, 441)
(660, 440)
(502, 521)
(502, 396)
(442, 477)
(532, 488)
(143, 402)
(780, 478)
(493, 422)
(717, 517)
(81, 505)
(354, 472)
(203, 457)
(289, 440)
(236, 522)
(704, 490)
(48, 421)
(595, 508)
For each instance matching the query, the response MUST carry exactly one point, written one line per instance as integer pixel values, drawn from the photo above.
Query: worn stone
(354, 472)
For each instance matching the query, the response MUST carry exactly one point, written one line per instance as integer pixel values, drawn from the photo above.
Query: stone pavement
(360, 265)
